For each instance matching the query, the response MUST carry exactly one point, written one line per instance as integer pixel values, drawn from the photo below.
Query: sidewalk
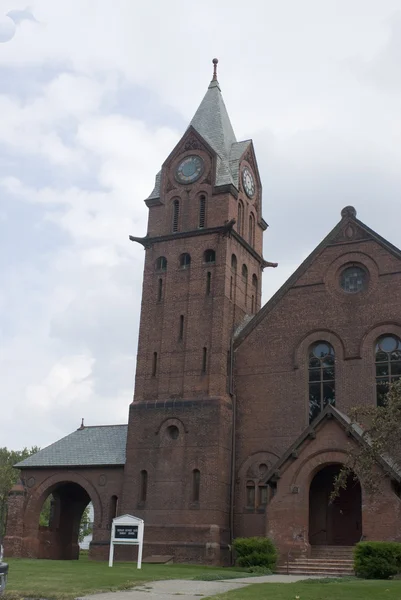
(174, 589)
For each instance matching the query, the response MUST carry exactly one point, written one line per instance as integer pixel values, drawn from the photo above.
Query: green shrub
(259, 570)
(377, 560)
(255, 552)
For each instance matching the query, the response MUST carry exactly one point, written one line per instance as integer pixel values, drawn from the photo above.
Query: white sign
(127, 530)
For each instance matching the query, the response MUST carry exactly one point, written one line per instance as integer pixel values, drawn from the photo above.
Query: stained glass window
(321, 378)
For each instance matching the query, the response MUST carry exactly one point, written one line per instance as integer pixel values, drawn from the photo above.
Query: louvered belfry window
(176, 214)
(202, 212)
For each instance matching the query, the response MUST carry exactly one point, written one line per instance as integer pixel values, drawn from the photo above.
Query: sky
(95, 94)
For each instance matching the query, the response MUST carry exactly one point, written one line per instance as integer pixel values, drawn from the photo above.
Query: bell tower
(202, 279)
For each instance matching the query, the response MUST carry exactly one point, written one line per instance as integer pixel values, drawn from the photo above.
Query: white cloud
(315, 84)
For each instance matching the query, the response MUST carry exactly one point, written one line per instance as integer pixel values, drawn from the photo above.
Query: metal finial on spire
(215, 61)
(82, 424)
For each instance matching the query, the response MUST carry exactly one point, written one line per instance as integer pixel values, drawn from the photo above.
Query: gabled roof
(212, 123)
(88, 446)
(337, 235)
(353, 429)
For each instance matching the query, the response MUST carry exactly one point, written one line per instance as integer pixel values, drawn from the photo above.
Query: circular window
(388, 343)
(321, 350)
(173, 431)
(353, 279)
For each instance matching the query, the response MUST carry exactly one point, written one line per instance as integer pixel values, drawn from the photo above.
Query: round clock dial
(248, 182)
(189, 169)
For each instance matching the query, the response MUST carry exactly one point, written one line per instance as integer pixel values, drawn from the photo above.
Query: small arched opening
(335, 522)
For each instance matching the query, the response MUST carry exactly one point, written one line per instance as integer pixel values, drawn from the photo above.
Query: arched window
(250, 495)
(176, 214)
(204, 360)
(388, 365)
(208, 283)
(233, 278)
(185, 260)
(321, 378)
(209, 256)
(195, 485)
(251, 232)
(262, 500)
(154, 364)
(160, 290)
(202, 211)
(240, 220)
(143, 486)
(161, 264)
(254, 292)
(245, 281)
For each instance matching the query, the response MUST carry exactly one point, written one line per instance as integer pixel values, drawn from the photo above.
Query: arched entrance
(338, 522)
(58, 539)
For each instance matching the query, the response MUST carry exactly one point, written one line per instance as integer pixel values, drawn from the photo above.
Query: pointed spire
(215, 61)
(211, 120)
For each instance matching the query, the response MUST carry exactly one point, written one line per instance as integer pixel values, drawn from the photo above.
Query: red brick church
(239, 419)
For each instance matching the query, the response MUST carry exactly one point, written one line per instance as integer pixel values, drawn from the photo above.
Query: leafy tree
(380, 429)
(9, 477)
(86, 526)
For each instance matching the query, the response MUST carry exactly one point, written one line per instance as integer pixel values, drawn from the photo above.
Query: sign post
(127, 530)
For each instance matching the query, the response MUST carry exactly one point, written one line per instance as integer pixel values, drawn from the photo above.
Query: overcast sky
(94, 94)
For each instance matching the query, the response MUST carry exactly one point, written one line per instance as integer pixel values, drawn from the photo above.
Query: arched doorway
(58, 539)
(338, 522)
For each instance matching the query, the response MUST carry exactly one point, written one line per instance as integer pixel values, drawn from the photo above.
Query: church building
(240, 417)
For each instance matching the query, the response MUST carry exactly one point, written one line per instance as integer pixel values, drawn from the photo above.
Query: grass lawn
(62, 579)
(338, 590)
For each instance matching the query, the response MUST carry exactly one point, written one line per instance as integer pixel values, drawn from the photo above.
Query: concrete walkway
(181, 589)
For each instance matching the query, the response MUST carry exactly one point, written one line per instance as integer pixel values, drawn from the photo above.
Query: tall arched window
(161, 264)
(185, 260)
(209, 256)
(181, 330)
(251, 232)
(208, 283)
(321, 378)
(160, 290)
(240, 220)
(254, 292)
(143, 486)
(176, 214)
(250, 494)
(233, 278)
(204, 360)
(388, 365)
(245, 281)
(202, 211)
(154, 364)
(195, 485)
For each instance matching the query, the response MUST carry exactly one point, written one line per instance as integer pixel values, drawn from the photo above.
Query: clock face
(248, 182)
(189, 169)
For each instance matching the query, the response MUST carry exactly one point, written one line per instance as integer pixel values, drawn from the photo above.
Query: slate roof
(213, 124)
(87, 446)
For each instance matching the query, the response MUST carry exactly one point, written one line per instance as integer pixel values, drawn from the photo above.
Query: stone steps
(325, 561)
